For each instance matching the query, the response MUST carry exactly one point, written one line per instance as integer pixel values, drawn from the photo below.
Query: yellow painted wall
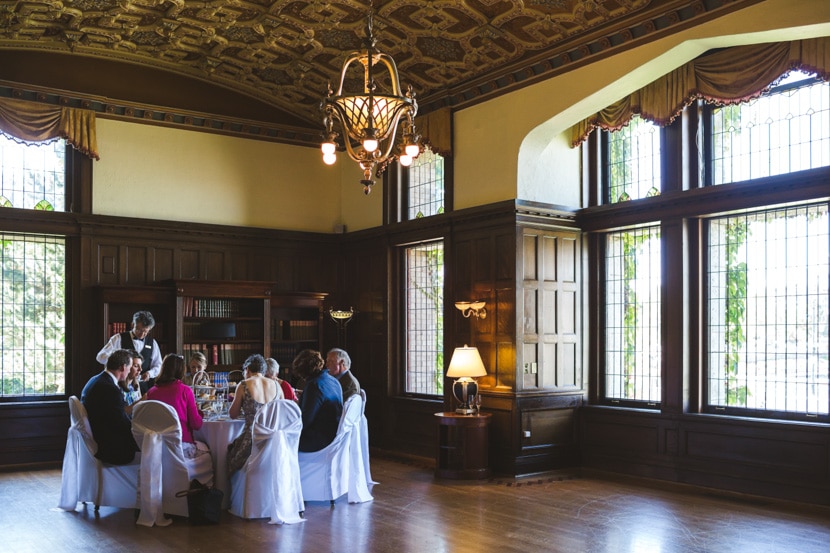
(517, 145)
(170, 174)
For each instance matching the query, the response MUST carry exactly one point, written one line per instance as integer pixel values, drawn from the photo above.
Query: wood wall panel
(215, 265)
(530, 356)
(530, 317)
(107, 264)
(529, 246)
(162, 264)
(135, 263)
(189, 264)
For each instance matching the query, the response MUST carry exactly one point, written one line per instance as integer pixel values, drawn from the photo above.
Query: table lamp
(465, 366)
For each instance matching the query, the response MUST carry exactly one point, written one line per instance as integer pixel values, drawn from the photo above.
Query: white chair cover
(364, 441)
(164, 468)
(337, 469)
(268, 485)
(84, 477)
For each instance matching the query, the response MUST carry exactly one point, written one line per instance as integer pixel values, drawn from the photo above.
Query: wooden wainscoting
(767, 458)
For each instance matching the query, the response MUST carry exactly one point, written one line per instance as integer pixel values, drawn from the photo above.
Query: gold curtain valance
(436, 130)
(728, 76)
(37, 122)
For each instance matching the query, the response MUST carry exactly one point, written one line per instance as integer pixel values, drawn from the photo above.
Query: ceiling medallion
(369, 118)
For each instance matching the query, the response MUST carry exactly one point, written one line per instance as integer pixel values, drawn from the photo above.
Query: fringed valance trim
(35, 122)
(725, 77)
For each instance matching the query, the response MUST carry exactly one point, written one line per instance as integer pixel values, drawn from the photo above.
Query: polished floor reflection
(412, 513)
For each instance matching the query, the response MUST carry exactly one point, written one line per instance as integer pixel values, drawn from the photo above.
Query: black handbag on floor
(204, 504)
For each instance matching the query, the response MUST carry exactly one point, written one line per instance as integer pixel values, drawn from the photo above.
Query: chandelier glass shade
(369, 118)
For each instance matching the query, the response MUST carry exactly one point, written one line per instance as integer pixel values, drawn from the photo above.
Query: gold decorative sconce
(342, 318)
(474, 308)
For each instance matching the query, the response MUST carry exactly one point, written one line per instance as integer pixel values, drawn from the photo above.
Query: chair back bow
(157, 430)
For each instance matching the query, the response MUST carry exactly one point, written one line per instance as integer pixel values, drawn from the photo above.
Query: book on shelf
(116, 328)
(295, 330)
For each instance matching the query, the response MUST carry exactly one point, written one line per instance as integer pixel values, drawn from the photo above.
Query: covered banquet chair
(338, 468)
(84, 478)
(268, 484)
(364, 441)
(164, 468)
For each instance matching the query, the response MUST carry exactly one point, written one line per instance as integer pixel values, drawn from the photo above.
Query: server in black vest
(138, 340)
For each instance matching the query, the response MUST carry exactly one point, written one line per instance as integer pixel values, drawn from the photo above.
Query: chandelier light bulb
(329, 159)
(370, 144)
(328, 148)
(412, 150)
(406, 160)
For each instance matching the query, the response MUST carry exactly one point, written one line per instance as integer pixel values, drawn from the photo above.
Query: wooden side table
(463, 444)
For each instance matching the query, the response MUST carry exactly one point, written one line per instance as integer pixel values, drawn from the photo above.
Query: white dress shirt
(114, 343)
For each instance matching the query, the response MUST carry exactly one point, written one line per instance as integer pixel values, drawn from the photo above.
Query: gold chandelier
(369, 119)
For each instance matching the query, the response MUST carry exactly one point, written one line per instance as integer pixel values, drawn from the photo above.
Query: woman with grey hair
(273, 371)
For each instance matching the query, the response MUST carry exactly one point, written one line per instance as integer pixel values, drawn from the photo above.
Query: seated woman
(197, 364)
(171, 390)
(321, 401)
(251, 394)
(273, 371)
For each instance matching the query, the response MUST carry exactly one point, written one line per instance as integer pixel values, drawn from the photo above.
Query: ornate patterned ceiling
(285, 52)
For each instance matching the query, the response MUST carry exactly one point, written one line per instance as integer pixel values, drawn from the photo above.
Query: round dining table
(218, 433)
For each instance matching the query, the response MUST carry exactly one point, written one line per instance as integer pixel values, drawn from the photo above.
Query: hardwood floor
(413, 513)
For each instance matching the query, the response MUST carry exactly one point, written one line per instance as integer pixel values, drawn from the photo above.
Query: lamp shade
(466, 361)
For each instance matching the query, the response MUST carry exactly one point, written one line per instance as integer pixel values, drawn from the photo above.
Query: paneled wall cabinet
(225, 320)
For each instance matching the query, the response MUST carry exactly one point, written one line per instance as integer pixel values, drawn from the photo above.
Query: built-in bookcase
(225, 320)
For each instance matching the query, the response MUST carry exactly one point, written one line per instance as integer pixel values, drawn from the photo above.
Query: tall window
(768, 309)
(779, 133)
(632, 315)
(634, 162)
(424, 319)
(426, 186)
(751, 257)
(32, 305)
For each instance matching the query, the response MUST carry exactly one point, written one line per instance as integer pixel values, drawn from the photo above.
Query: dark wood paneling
(108, 264)
(162, 264)
(743, 455)
(33, 433)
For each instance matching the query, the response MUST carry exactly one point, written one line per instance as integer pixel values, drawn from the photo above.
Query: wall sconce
(342, 318)
(474, 308)
(465, 366)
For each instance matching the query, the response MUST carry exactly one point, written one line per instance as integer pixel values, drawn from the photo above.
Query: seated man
(321, 401)
(104, 402)
(339, 364)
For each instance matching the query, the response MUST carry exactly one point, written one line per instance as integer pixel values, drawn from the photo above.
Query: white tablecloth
(217, 434)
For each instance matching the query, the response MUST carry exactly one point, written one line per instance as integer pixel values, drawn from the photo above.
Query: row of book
(216, 308)
(295, 330)
(221, 354)
(117, 328)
